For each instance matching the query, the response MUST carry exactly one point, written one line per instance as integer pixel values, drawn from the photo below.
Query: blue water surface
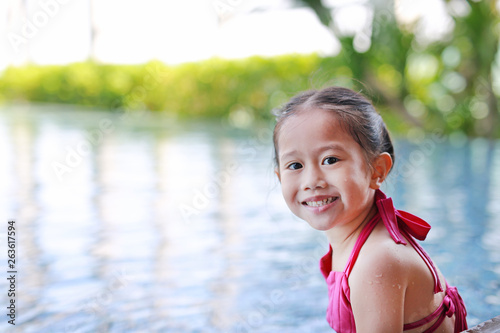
(143, 223)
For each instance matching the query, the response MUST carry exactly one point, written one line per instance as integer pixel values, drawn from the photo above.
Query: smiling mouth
(320, 202)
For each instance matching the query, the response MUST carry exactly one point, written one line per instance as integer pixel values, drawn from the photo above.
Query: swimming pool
(148, 224)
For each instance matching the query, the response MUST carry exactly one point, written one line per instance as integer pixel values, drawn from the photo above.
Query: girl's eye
(330, 160)
(294, 166)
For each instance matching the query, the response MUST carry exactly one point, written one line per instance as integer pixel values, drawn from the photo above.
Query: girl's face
(324, 175)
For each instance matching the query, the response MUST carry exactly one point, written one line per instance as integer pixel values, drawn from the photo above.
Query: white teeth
(320, 203)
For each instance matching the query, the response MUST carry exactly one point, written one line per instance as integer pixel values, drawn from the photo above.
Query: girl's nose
(313, 179)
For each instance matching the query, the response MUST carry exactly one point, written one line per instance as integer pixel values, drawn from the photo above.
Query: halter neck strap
(399, 222)
(410, 223)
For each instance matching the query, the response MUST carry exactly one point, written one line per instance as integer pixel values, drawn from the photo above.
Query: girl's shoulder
(378, 283)
(380, 256)
(392, 277)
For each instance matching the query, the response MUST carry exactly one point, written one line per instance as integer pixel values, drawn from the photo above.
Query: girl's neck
(344, 236)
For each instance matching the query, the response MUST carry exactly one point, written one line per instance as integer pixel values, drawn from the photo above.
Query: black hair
(356, 113)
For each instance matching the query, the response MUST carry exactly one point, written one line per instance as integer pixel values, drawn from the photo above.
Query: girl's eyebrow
(290, 153)
(334, 146)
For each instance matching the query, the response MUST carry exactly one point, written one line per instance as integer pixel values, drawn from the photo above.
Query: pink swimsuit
(399, 223)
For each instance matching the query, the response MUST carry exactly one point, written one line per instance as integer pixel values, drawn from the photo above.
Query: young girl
(333, 152)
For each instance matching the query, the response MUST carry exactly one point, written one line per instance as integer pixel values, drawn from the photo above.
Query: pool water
(142, 223)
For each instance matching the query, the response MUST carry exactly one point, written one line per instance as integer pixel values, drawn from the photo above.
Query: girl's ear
(277, 172)
(381, 167)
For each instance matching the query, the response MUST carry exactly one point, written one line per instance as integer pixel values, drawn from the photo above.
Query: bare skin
(327, 181)
(394, 280)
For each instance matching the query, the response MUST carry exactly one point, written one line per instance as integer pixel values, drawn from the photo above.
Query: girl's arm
(377, 285)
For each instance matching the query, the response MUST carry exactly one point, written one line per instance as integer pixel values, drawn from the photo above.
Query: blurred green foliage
(449, 85)
(211, 88)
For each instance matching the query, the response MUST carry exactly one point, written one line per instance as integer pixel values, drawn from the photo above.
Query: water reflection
(170, 227)
(459, 187)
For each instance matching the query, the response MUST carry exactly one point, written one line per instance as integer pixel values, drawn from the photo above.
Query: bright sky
(131, 31)
(135, 31)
